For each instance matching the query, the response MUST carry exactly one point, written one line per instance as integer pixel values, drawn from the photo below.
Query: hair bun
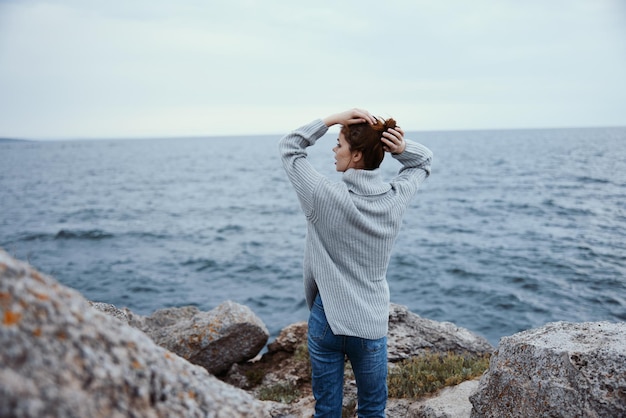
(390, 124)
(382, 125)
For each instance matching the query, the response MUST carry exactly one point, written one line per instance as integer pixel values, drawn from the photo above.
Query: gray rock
(230, 333)
(112, 310)
(410, 335)
(290, 338)
(61, 357)
(217, 339)
(559, 370)
(450, 402)
(398, 408)
(163, 318)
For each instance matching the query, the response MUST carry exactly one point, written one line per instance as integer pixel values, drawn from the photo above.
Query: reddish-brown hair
(366, 138)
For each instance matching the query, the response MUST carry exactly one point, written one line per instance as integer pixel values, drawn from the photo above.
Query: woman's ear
(356, 160)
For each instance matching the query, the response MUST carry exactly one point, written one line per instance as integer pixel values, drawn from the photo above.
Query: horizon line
(235, 135)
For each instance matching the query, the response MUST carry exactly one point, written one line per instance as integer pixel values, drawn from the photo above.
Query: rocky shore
(65, 356)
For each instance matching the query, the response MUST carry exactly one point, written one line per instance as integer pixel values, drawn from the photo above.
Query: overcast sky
(144, 68)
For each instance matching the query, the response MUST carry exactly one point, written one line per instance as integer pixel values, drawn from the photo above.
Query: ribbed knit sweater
(351, 227)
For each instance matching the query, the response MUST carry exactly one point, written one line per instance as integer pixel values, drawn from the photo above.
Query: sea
(513, 229)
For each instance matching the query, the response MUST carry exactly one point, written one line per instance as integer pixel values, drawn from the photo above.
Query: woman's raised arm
(349, 117)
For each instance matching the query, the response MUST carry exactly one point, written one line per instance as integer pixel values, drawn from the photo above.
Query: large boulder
(61, 357)
(559, 370)
(410, 335)
(217, 339)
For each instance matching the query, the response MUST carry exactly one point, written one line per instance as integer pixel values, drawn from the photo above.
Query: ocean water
(512, 230)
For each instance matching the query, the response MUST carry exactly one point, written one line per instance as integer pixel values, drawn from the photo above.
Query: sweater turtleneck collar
(365, 182)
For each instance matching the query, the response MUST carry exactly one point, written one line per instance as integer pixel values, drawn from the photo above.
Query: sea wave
(93, 234)
(63, 234)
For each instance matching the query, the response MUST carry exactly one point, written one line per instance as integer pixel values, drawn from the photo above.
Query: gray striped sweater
(351, 228)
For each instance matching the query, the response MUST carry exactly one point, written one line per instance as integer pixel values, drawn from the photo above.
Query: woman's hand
(350, 117)
(393, 140)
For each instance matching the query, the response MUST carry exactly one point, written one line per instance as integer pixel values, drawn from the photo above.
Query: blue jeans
(327, 352)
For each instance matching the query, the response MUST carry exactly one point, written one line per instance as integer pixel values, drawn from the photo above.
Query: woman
(351, 227)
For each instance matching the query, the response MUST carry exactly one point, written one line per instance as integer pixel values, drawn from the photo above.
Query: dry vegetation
(422, 375)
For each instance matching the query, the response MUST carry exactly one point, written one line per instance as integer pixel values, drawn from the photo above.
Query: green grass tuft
(280, 392)
(422, 375)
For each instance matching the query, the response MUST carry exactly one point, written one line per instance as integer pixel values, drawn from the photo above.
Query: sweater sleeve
(416, 162)
(302, 175)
